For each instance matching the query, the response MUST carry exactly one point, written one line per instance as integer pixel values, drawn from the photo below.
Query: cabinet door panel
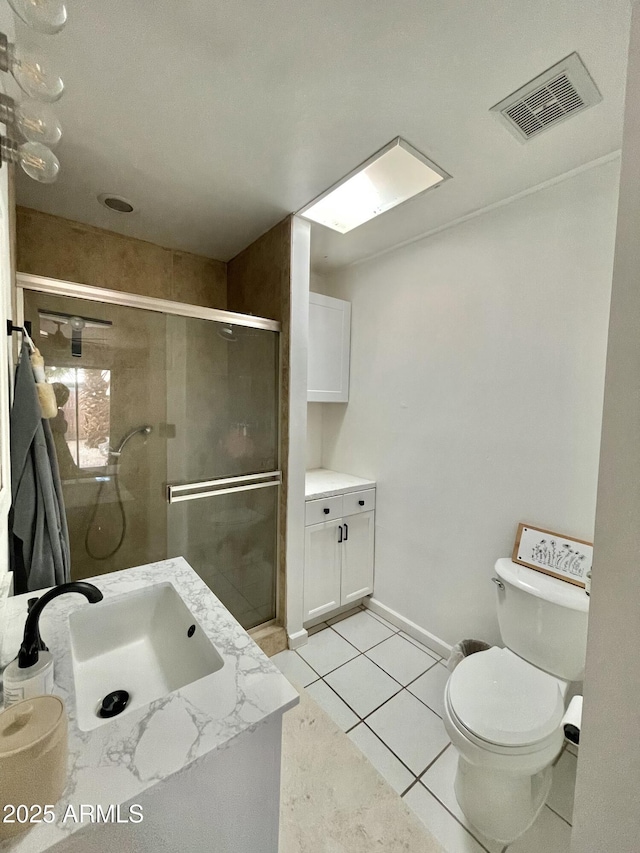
(329, 343)
(357, 557)
(321, 569)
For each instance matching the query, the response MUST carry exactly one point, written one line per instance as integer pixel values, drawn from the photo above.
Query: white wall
(317, 284)
(477, 373)
(607, 810)
(314, 434)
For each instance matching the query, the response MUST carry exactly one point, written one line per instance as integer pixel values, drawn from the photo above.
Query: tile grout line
(379, 619)
(413, 680)
(362, 719)
(406, 791)
(363, 654)
(432, 762)
(395, 755)
(354, 645)
(468, 831)
(418, 644)
(375, 645)
(551, 809)
(386, 745)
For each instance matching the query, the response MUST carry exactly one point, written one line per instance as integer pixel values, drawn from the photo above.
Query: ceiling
(216, 118)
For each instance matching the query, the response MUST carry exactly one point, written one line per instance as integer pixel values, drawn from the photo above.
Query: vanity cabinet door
(322, 568)
(357, 556)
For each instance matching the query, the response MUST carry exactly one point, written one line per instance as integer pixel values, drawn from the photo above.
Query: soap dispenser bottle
(28, 682)
(31, 673)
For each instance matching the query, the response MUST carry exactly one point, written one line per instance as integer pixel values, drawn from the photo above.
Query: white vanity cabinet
(339, 548)
(329, 349)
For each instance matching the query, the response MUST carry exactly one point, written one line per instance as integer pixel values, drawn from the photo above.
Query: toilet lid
(505, 700)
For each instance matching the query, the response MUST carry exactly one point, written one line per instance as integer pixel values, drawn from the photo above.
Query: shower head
(143, 430)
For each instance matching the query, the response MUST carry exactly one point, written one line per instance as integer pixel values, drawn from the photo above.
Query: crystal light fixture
(33, 76)
(45, 16)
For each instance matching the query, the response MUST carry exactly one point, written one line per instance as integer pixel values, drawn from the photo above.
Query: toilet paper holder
(572, 720)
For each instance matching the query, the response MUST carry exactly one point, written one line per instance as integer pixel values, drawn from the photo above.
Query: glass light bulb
(37, 122)
(45, 16)
(33, 76)
(38, 162)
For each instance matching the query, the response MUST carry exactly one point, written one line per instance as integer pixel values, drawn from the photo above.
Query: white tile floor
(386, 690)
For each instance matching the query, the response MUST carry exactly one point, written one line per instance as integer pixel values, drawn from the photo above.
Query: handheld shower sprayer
(143, 430)
(115, 455)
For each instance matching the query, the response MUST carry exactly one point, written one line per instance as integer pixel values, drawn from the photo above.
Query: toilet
(504, 706)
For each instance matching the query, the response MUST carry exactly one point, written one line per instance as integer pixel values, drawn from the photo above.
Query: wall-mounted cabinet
(339, 546)
(329, 349)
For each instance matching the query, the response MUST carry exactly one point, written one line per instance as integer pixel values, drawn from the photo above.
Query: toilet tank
(543, 619)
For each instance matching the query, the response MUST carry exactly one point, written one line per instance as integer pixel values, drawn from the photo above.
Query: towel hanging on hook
(46, 394)
(27, 337)
(25, 331)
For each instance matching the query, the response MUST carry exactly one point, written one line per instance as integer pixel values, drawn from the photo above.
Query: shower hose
(94, 512)
(117, 455)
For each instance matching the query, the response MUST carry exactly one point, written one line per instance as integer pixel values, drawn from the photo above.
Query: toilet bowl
(503, 707)
(503, 716)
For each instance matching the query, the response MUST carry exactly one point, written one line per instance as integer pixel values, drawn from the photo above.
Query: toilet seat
(504, 701)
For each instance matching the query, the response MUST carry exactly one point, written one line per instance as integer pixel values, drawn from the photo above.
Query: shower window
(81, 427)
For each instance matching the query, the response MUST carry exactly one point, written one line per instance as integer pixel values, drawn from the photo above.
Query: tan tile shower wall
(259, 282)
(60, 248)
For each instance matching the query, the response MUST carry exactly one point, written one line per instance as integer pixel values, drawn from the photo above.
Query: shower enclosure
(166, 434)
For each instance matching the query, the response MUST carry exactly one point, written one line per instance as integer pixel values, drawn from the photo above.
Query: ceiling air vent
(554, 96)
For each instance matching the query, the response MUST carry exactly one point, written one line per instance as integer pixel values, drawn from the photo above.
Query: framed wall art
(553, 554)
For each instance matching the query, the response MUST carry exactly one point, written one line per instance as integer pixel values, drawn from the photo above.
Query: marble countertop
(119, 760)
(321, 483)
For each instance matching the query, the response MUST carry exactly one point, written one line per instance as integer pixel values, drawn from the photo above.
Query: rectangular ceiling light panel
(394, 174)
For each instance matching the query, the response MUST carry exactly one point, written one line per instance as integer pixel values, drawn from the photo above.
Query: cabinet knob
(326, 510)
(361, 503)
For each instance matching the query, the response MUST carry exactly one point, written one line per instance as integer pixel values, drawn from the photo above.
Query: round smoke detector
(115, 202)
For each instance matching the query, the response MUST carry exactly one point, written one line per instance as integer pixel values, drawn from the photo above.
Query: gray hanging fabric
(37, 520)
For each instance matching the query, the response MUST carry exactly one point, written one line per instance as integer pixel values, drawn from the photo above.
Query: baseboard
(425, 637)
(353, 605)
(298, 639)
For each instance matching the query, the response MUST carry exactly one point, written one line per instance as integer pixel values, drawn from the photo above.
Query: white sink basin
(139, 642)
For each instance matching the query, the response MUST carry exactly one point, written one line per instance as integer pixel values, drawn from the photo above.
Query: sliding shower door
(167, 438)
(222, 460)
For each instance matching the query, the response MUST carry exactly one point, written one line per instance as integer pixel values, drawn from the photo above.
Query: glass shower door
(167, 438)
(222, 460)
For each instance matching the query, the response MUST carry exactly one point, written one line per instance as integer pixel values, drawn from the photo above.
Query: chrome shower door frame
(190, 491)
